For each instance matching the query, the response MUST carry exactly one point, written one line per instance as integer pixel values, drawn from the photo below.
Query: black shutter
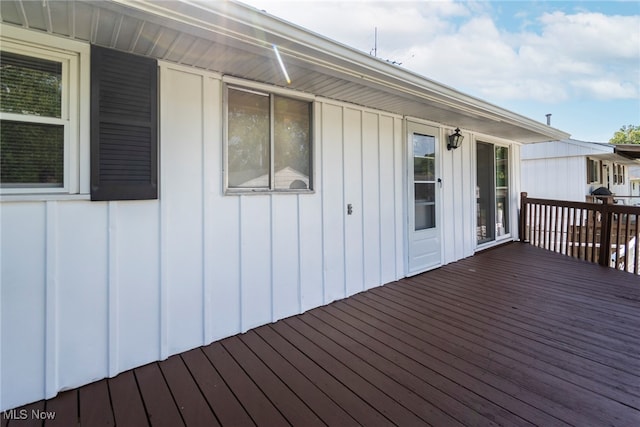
(124, 148)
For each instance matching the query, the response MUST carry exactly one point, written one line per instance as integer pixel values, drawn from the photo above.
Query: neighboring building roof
(631, 151)
(238, 40)
(576, 148)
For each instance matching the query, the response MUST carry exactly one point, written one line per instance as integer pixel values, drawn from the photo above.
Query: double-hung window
(269, 142)
(593, 171)
(37, 123)
(44, 121)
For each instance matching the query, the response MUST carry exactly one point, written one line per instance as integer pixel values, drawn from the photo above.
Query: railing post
(523, 216)
(605, 232)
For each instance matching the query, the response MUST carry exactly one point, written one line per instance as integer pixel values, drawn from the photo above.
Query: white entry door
(423, 198)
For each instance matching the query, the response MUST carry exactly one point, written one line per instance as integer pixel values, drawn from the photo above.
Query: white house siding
(458, 199)
(562, 178)
(90, 289)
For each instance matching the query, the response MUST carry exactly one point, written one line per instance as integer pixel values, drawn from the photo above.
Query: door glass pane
(248, 140)
(425, 205)
(424, 151)
(292, 143)
(502, 191)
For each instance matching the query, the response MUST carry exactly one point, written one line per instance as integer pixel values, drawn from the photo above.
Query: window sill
(42, 197)
(256, 192)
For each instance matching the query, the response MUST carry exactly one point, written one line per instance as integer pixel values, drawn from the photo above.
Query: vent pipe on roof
(548, 119)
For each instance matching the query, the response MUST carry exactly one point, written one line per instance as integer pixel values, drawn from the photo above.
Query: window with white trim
(39, 115)
(593, 171)
(269, 142)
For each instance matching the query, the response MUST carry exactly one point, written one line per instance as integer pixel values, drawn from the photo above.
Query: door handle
(440, 182)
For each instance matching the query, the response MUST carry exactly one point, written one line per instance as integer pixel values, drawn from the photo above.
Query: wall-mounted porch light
(455, 140)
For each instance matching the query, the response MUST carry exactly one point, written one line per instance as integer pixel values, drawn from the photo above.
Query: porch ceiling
(234, 39)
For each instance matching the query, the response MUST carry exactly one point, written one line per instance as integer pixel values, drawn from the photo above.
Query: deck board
(221, 399)
(347, 399)
(512, 336)
(288, 403)
(529, 343)
(158, 401)
(95, 405)
(328, 410)
(191, 403)
(491, 365)
(126, 401)
(65, 406)
(258, 406)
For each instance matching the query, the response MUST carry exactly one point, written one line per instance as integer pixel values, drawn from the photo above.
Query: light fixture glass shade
(455, 140)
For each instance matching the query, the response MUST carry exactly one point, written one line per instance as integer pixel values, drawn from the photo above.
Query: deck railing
(602, 233)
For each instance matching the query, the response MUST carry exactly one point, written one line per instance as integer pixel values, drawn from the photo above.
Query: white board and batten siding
(90, 289)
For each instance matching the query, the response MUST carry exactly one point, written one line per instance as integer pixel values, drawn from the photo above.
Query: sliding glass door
(492, 192)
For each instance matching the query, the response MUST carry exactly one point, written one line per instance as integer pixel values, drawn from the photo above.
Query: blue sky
(578, 60)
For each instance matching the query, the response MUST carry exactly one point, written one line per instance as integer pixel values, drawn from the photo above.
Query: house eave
(234, 39)
(299, 45)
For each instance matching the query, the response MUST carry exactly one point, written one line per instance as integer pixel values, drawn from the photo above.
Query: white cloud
(606, 88)
(551, 57)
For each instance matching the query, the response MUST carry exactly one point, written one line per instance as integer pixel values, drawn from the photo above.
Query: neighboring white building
(129, 231)
(570, 170)
(634, 179)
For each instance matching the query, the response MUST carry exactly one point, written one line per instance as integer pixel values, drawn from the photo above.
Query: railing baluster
(636, 259)
(563, 247)
(594, 236)
(538, 226)
(625, 259)
(580, 230)
(574, 237)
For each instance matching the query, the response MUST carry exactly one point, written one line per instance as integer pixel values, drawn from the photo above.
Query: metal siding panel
(447, 219)
(354, 239)
(22, 303)
(182, 175)
(389, 187)
(226, 306)
(371, 206)
(83, 292)
(286, 255)
(105, 25)
(128, 31)
(222, 228)
(256, 261)
(60, 17)
(311, 261)
(468, 200)
(311, 226)
(10, 12)
(136, 277)
(400, 198)
(515, 188)
(333, 203)
(81, 26)
(36, 14)
(211, 150)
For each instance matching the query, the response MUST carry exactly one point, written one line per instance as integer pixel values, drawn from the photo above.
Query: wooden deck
(513, 336)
